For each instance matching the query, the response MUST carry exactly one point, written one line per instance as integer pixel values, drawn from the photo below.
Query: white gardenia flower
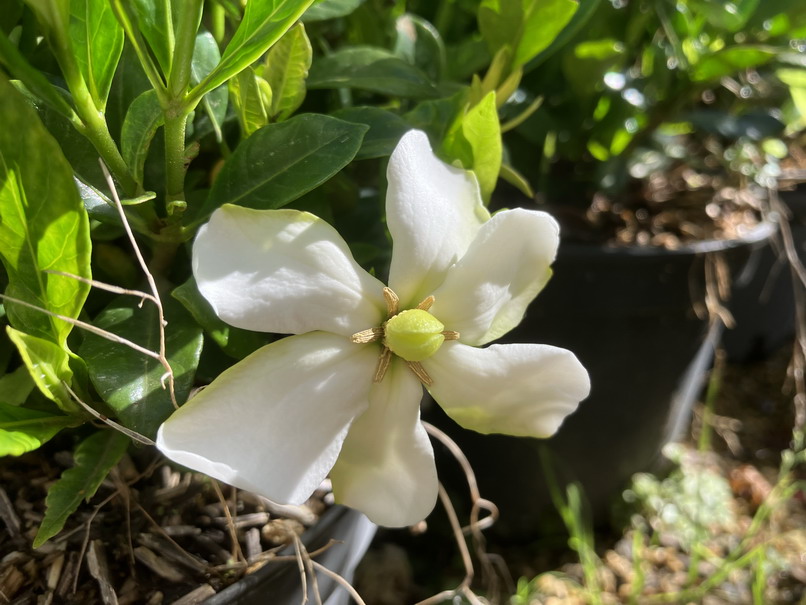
(342, 396)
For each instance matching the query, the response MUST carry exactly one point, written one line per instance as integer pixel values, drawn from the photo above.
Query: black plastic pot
(763, 301)
(279, 582)
(628, 314)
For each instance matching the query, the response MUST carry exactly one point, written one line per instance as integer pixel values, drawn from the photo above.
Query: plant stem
(175, 160)
(185, 41)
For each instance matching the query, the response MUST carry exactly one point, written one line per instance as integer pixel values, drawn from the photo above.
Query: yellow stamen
(426, 304)
(383, 364)
(392, 302)
(419, 372)
(365, 336)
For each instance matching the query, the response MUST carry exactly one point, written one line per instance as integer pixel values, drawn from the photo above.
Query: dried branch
(134, 435)
(339, 580)
(237, 554)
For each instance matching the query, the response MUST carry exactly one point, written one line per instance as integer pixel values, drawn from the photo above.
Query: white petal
(386, 467)
(486, 293)
(283, 271)
(274, 422)
(515, 389)
(433, 211)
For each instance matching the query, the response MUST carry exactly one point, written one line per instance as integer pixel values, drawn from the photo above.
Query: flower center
(414, 334)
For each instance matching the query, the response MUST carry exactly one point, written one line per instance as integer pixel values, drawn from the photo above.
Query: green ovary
(414, 335)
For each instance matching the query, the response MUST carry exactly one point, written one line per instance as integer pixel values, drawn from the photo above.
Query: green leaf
(97, 39)
(49, 366)
(419, 43)
(263, 23)
(373, 69)
(130, 382)
(251, 96)
(281, 162)
(286, 68)
(528, 26)
(728, 16)
(729, 61)
(435, 117)
(205, 58)
(235, 342)
(330, 9)
(94, 458)
(142, 120)
(795, 80)
(23, 430)
(516, 179)
(475, 140)
(44, 225)
(16, 386)
(385, 129)
(155, 23)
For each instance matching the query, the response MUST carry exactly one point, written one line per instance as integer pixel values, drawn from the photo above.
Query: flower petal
(433, 211)
(283, 271)
(516, 389)
(274, 422)
(486, 293)
(386, 466)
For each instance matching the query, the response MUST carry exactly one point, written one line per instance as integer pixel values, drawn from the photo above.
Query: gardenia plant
(342, 395)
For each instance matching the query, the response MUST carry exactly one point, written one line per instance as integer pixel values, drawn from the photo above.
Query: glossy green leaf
(475, 140)
(49, 366)
(155, 23)
(205, 58)
(23, 430)
(419, 43)
(281, 162)
(385, 129)
(251, 97)
(142, 120)
(130, 382)
(583, 14)
(729, 61)
(263, 23)
(235, 342)
(528, 26)
(435, 117)
(94, 458)
(373, 69)
(33, 79)
(286, 68)
(44, 225)
(330, 9)
(16, 386)
(97, 40)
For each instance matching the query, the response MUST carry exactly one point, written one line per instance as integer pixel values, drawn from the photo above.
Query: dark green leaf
(48, 364)
(23, 430)
(142, 120)
(436, 116)
(97, 39)
(419, 43)
(235, 342)
(287, 66)
(155, 23)
(205, 58)
(729, 61)
(330, 9)
(130, 382)
(280, 162)
(373, 69)
(385, 129)
(94, 458)
(728, 16)
(16, 386)
(44, 225)
(264, 22)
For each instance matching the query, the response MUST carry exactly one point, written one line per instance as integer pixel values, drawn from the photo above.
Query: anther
(392, 302)
(450, 335)
(419, 372)
(426, 304)
(383, 365)
(365, 336)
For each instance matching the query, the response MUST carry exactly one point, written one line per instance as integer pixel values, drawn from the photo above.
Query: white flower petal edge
(486, 293)
(517, 389)
(433, 211)
(283, 271)
(386, 467)
(274, 423)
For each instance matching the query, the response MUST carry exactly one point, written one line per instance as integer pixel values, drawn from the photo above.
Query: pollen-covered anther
(450, 335)
(419, 372)
(383, 364)
(392, 302)
(366, 336)
(427, 302)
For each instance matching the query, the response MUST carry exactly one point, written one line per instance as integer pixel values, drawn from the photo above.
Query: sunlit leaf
(729, 61)
(24, 430)
(251, 95)
(330, 9)
(286, 68)
(48, 365)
